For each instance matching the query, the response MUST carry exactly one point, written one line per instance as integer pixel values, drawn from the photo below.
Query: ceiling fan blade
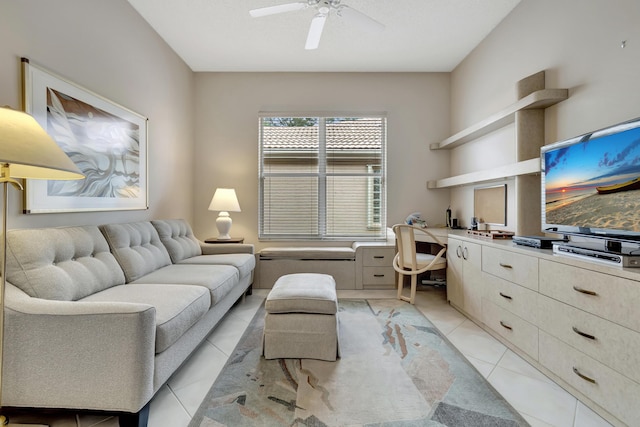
(315, 31)
(281, 8)
(358, 18)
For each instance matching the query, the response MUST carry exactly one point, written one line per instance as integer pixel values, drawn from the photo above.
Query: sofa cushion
(219, 279)
(245, 263)
(178, 307)
(66, 263)
(178, 238)
(137, 247)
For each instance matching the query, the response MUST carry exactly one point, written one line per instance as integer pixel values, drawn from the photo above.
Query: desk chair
(409, 262)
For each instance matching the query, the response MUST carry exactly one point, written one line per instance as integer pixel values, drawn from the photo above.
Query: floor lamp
(26, 152)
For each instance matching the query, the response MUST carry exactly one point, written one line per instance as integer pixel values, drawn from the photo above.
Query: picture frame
(107, 142)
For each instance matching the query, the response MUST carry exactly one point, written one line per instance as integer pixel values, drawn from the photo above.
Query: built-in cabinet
(575, 320)
(464, 267)
(374, 265)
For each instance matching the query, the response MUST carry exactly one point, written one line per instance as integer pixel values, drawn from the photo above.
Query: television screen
(591, 183)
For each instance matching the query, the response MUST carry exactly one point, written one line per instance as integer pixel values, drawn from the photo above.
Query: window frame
(377, 231)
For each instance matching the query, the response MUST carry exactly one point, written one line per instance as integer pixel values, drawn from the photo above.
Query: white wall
(578, 43)
(227, 106)
(108, 48)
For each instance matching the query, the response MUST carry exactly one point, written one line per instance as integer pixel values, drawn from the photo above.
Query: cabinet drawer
(517, 299)
(604, 295)
(611, 344)
(614, 392)
(378, 276)
(511, 266)
(378, 257)
(519, 332)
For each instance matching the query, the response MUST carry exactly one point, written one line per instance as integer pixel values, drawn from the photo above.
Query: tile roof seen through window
(345, 135)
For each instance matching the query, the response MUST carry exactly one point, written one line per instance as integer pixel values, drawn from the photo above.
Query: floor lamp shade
(26, 151)
(30, 152)
(225, 201)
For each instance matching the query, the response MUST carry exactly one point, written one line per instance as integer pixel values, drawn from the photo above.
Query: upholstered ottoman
(302, 318)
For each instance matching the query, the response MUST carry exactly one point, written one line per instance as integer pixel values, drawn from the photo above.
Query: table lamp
(28, 152)
(225, 201)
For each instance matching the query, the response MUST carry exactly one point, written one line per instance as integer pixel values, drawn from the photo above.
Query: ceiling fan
(324, 9)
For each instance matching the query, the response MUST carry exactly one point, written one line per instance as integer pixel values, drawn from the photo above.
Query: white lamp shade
(30, 152)
(225, 200)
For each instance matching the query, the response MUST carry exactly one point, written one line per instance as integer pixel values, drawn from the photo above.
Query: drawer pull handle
(378, 275)
(579, 332)
(378, 256)
(503, 265)
(504, 325)
(505, 296)
(584, 291)
(584, 377)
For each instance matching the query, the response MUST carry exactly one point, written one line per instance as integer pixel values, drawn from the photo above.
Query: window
(322, 177)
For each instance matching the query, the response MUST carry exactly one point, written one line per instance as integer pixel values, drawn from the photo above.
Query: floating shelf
(539, 99)
(526, 167)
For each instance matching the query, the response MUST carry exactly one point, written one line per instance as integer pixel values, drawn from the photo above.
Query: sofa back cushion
(178, 238)
(67, 263)
(137, 248)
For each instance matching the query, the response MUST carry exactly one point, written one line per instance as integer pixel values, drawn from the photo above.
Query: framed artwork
(107, 142)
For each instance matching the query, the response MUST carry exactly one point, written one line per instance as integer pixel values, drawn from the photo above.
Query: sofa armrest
(74, 354)
(227, 248)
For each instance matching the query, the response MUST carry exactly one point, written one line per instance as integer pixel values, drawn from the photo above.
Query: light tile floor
(540, 401)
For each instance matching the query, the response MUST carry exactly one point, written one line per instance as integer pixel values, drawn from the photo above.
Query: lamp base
(223, 222)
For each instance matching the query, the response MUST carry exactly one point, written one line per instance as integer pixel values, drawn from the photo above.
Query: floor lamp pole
(3, 282)
(6, 180)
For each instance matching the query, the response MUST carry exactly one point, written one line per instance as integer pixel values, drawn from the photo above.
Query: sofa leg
(249, 290)
(139, 419)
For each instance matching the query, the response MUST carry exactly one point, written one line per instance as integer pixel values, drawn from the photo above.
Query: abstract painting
(107, 142)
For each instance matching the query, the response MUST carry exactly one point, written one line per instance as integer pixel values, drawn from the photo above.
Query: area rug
(395, 370)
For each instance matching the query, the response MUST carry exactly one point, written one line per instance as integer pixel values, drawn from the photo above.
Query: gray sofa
(99, 317)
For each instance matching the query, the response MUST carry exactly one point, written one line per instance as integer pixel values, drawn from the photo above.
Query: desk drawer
(613, 298)
(614, 392)
(378, 276)
(519, 332)
(378, 257)
(611, 344)
(511, 266)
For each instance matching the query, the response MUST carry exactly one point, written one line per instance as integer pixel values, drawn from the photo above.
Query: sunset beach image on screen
(594, 183)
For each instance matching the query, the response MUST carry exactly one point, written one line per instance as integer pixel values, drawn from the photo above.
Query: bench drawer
(378, 257)
(378, 276)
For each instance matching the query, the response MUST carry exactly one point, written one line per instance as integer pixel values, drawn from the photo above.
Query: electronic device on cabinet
(591, 186)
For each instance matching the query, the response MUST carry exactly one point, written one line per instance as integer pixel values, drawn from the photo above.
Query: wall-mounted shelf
(539, 99)
(526, 167)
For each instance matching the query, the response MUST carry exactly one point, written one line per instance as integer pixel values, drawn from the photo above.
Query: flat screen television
(591, 184)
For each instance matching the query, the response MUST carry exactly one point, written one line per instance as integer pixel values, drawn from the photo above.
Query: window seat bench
(338, 261)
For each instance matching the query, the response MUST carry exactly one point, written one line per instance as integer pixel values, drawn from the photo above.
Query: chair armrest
(227, 248)
(74, 354)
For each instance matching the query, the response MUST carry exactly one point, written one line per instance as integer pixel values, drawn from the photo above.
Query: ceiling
(420, 35)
